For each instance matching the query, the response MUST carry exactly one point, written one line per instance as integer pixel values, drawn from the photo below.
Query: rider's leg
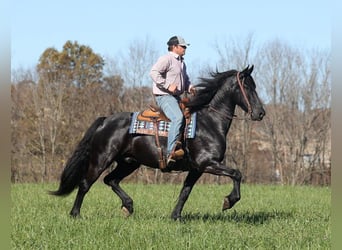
(169, 104)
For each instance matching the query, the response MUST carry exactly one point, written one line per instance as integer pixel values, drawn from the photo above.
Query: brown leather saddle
(152, 114)
(155, 115)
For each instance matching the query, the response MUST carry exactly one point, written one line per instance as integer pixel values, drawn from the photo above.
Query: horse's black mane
(207, 88)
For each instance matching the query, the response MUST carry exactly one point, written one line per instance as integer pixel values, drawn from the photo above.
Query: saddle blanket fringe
(146, 128)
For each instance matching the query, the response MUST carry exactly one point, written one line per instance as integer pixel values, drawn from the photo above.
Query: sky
(109, 26)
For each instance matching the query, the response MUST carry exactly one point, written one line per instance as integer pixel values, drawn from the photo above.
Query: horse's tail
(78, 164)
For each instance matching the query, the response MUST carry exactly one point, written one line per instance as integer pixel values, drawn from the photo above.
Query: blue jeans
(170, 106)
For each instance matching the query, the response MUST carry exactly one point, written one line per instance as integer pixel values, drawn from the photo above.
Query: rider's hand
(192, 90)
(172, 88)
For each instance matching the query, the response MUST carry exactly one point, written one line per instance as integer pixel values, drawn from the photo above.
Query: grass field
(267, 217)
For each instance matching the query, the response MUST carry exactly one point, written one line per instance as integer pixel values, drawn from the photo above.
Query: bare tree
(292, 81)
(135, 65)
(21, 132)
(47, 102)
(235, 53)
(276, 61)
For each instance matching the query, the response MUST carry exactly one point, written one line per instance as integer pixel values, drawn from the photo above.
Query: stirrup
(176, 155)
(171, 160)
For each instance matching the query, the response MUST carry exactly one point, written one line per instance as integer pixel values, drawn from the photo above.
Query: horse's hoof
(176, 217)
(125, 212)
(75, 215)
(226, 204)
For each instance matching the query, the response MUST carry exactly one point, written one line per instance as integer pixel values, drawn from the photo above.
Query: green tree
(75, 65)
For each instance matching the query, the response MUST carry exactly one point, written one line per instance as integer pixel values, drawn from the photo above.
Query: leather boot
(177, 154)
(173, 157)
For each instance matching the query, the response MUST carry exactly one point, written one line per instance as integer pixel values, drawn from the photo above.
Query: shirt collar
(178, 57)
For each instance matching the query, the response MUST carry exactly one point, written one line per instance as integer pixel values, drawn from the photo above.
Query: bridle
(243, 91)
(249, 107)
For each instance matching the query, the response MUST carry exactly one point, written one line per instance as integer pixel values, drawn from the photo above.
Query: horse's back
(113, 130)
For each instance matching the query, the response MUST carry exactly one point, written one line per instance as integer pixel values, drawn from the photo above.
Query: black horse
(107, 140)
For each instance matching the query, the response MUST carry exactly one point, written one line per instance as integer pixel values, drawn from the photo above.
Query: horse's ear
(248, 70)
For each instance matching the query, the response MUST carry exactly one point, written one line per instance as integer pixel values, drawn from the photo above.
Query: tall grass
(267, 217)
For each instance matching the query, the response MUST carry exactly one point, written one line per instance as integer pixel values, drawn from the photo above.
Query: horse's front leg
(189, 182)
(235, 174)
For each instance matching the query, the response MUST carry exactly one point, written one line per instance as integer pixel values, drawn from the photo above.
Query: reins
(249, 107)
(222, 114)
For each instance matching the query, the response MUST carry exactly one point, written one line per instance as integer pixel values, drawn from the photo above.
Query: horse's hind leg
(113, 179)
(91, 176)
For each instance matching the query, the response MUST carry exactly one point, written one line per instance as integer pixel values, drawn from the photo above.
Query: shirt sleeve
(158, 72)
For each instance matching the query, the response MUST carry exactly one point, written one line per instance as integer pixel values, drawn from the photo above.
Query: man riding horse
(109, 140)
(170, 81)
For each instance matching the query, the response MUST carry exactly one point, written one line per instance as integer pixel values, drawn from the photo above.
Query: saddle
(155, 115)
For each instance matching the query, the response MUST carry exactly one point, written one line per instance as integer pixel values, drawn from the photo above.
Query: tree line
(54, 103)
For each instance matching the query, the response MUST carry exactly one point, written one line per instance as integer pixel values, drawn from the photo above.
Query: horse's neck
(220, 118)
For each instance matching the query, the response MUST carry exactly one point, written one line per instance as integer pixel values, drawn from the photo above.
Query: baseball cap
(177, 40)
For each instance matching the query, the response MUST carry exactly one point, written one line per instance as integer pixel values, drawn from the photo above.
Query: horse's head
(248, 98)
(227, 89)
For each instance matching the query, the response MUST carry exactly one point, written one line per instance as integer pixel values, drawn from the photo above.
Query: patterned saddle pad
(146, 127)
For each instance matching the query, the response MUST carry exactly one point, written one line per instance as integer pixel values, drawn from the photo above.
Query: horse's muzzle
(258, 115)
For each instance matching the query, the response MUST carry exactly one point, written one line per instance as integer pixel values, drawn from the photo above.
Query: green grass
(267, 217)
